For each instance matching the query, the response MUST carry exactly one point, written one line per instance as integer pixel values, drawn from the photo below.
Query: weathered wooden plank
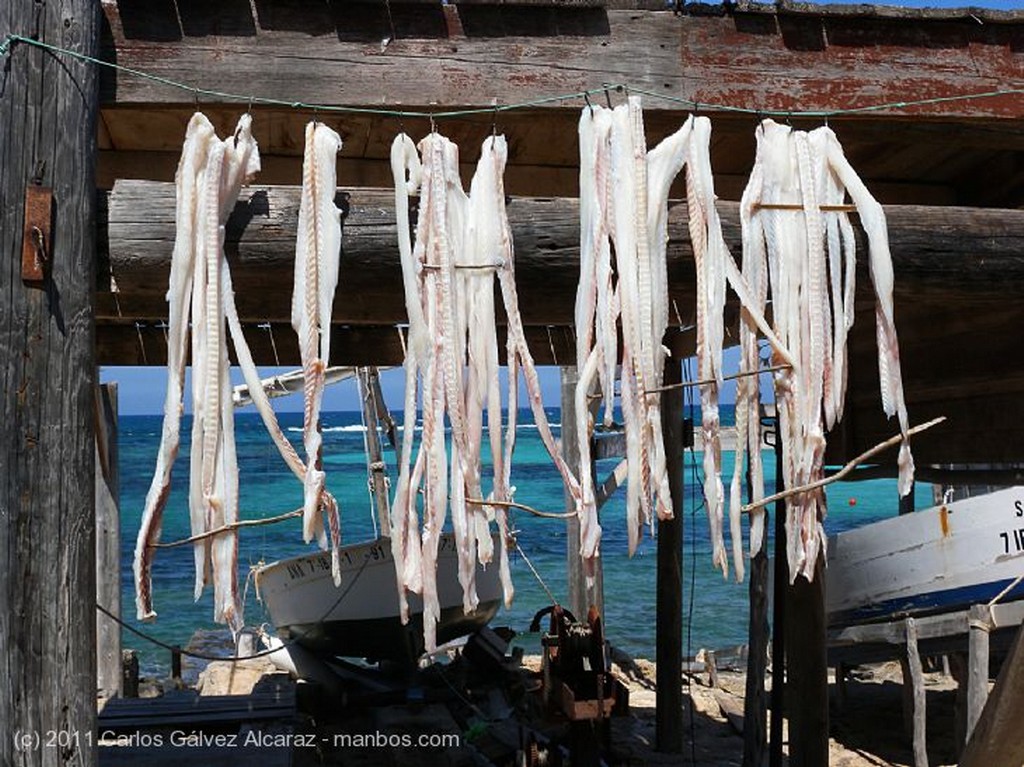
(47, 538)
(752, 59)
(108, 544)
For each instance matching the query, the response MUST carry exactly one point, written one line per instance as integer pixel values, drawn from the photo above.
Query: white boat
(360, 618)
(935, 560)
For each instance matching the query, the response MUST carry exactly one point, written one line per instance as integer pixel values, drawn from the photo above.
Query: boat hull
(935, 560)
(360, 618)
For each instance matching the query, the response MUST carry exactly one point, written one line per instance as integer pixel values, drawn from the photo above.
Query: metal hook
(195, 97)
(586, 98)
(494, 123)
(696, 108)
(608, 97)
(248, 110)
(433, 125)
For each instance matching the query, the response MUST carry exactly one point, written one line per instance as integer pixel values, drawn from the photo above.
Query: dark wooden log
(669, 598)
(108, 544)
(48, 107)
(947, 255)
(581, 594)
(807, 669)
(996, 739)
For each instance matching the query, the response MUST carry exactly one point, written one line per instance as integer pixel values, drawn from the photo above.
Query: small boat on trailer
(936, 560)
(360, 618)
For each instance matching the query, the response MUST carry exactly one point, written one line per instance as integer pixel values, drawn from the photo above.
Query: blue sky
(142, 390)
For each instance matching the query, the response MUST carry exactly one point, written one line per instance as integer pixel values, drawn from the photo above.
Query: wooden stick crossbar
(686, 384)
(843, 471)
(798, 206)
(523, 507)
(228, 529)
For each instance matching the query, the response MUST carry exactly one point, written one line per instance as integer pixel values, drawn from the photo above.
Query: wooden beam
(946, 255)
(669, 598)
(276, 345)
(746, 58)
(48, 111)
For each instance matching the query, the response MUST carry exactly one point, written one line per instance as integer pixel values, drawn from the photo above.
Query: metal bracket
(35, 243)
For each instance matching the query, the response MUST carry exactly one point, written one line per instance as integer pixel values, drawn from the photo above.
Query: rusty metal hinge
(35, 243)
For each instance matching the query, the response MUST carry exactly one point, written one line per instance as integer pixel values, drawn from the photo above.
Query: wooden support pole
(781, 578)
(581, 596)
(979, 626)
(807, 669)
(915, 679)
(755, 703)
(996, 740)
(669, 599)
(48, 107)
(108, 544)
(368, 381)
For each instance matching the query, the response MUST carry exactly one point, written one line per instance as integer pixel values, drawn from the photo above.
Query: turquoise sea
(715, 610)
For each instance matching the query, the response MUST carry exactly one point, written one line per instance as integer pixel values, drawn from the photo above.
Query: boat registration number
(1013, 539)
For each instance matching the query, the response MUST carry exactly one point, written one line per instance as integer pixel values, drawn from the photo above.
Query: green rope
(5, 46)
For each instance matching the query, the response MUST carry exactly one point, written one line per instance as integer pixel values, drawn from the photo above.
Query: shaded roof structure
(929, 106)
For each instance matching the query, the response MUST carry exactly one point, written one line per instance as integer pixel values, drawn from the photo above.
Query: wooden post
(374, 457)
(108, 545)
(755, 704)
(916, 682)
(779, 592)
(996, 739)
(807, 669)
(979, 623)
(581, 597)
(48, 106)
(669, 598)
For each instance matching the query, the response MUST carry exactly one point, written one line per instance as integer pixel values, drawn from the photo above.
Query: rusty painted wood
(753, 59)
(48, 110)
